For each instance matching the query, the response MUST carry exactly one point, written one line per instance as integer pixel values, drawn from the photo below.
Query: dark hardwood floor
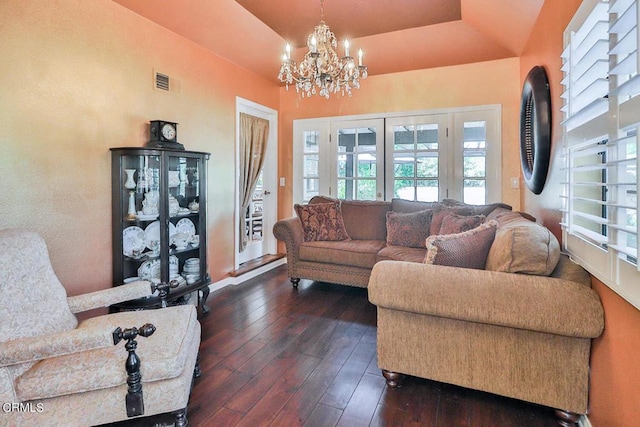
(273, 355)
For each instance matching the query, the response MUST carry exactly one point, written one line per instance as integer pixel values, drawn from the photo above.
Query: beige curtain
(254, 133)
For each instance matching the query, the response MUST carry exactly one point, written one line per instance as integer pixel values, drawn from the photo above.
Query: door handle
(267, 192)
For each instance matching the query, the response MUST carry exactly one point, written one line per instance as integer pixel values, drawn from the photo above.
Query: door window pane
(357, 163)
(403, 138)
(474, 191)
(403, 189)
(311, 163)
(427, 165)
(427, 190)
(427, 137)
(474, 156)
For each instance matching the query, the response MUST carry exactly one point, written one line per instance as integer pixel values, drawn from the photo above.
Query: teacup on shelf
(181, 240)
(195, 241)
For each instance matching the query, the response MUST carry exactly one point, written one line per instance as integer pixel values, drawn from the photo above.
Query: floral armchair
(56, 371)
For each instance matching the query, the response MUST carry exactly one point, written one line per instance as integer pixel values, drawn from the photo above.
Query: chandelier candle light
(322, 71)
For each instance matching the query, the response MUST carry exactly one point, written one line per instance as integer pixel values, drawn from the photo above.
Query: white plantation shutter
(601, 120)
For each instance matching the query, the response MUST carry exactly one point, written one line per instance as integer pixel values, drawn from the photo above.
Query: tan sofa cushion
(522, 246)
(356, 253)
(402, 253)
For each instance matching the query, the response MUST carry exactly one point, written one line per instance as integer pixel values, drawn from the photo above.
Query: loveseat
(518, 324)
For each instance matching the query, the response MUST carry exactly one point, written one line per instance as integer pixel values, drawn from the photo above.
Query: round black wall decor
(535, 129)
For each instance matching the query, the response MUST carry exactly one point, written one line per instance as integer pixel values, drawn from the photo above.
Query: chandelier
(322, 71)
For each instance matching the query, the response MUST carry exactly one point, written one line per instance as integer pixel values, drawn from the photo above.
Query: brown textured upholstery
(521, 336)
(360, 253)
(402, 253)
(365, 220)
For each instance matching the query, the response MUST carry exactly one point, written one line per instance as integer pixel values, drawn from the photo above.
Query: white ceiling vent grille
(164, 83)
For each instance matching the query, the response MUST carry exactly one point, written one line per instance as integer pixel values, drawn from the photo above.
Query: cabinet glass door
(185, 225)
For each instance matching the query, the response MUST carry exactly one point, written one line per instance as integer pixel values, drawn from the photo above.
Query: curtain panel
(254, 133)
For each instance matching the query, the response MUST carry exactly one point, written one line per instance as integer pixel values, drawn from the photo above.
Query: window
(601, 105)
(416, 156)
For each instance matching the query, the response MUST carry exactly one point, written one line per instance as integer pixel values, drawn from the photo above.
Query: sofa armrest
(537, 303)
(290, 232)
(109, 296)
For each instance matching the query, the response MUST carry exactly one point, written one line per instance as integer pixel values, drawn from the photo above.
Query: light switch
(282, 181)
(515, 182)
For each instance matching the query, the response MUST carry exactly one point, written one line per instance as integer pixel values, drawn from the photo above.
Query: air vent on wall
(164, 83)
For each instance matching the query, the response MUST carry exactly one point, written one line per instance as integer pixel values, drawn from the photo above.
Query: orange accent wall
(76, 79)
(492, 82)
(615, 376)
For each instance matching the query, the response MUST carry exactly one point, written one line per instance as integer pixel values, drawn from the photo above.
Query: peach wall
(492, 82)
(614, 395)
(76, 79)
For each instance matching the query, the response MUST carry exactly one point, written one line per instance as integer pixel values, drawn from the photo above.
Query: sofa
(349, 262)
(518, 324)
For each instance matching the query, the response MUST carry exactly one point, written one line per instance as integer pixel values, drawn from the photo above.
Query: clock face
(168, 131)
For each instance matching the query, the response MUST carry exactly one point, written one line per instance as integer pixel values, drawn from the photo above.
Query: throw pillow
(440, 213)
(522, 246)
(408, 229)
(467, 250)
(322, 221)
(453, 223)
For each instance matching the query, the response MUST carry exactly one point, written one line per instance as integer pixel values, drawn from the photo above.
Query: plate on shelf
(144, 217)
(133, 241)
(152, 233)
(149, 270)
(186, 226)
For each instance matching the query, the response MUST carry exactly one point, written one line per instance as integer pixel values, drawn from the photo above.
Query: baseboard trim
(216, 286)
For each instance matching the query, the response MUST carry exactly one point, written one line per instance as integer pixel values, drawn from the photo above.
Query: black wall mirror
(535, 129)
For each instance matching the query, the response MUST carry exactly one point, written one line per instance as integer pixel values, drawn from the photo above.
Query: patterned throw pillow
(453, 223)
(408, 229)
(440, 213)
(322, 221)
(467, 250)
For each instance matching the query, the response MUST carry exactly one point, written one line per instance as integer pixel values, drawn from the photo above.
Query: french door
(428, 157)
(341, 158)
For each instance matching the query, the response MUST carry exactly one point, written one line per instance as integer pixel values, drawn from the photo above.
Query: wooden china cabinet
(159, 223)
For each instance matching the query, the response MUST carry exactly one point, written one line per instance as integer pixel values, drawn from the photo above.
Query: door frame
(270, 178)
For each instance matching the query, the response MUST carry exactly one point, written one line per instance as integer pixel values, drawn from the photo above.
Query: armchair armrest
(290, 232)
(31, 349)
(107, 297)
(537, 303)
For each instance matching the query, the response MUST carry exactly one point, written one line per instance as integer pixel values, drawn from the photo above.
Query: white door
(263, 209)
(477, 157)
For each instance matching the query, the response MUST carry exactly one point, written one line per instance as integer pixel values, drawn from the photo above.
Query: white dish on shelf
(144, 217)
(149, 270)
(152, 233)
(186, 226)
(133, 241)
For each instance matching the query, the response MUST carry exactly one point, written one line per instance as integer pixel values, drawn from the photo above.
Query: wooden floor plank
(363, 402)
